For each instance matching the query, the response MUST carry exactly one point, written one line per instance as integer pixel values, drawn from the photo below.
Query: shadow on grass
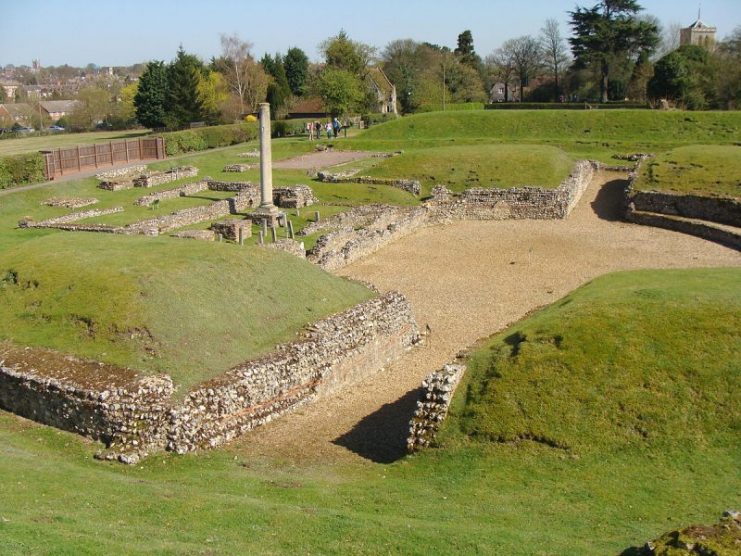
(634, 551)
(381, 436)
(609, 204)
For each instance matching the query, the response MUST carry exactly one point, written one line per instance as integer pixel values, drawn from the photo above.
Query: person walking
(337, 126)
(318, 129)
(329, 130)
(310, 130)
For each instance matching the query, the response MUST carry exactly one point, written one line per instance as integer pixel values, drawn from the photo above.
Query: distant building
(18, 112)
(308, 107)
(385, 91)
(56, 109)
(10, 87)
(497, 93)
(698, 34)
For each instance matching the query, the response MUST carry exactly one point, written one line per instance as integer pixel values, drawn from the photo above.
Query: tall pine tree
(278, 91)
(150, 95)
(184, 104)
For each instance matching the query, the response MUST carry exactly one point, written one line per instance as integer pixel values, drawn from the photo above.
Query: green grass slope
(705, 170)
(187, 308)
(538, 125)
(669, 456)
(465, 166)
(647, 360)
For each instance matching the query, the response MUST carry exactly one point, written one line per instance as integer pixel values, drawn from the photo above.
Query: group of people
(332, 128)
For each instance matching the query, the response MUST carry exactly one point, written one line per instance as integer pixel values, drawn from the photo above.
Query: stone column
(266, 159)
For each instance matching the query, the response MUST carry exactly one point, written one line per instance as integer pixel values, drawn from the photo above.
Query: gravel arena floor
(468, 280)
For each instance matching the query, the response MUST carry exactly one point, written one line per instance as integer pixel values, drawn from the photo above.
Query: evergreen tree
(466, 52)
(184, 103)
(297, 70)
(609, 34)
(278, 91)
(149, 100)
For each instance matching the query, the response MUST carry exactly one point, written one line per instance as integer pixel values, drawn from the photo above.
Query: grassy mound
(647, 360)
(466, 166)
(538, 125)
(705, 170)
(187, 308)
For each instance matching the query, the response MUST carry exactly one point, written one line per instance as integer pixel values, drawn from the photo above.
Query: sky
(125, 32)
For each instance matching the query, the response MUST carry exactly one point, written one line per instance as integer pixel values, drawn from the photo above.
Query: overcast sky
(124, 32)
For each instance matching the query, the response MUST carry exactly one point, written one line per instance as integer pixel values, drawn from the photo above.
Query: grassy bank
(635, 379)
(462, 167)
(704, 170)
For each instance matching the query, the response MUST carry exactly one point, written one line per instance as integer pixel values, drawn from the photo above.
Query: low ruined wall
(69, 202)
(158, 178)
(720, 210)
(411, 186)
(335, 352)
(137, 415)
(295, 196)
(381, 224)
(513, 203)
(127, 412)
(128, 171)
(293, 247)
(433, 405)
(182, 191)
(60, 221)
(180, 218)
(215, 185)
(726, 237)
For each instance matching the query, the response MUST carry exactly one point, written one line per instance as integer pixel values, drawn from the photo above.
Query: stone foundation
(203, 235)
(433, 405)
(158, 178)
(713, 209)
(240, 167)
(295, 248)
(126, 172)
(728, 236)
(137, 415)
(64, 222)
(296, 196)
(229, 229)
(70, 202)
(182, 191)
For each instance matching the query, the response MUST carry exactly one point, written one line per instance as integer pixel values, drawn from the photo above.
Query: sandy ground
(322, 159)
(468, 280)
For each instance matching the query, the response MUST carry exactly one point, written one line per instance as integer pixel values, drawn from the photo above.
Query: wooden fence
(61, 162)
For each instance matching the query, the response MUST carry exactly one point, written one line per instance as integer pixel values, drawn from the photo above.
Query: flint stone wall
(713, 209)
(295, 196)
(182, 191)
(180, 218)
(433, 405)
(69, 202)
(203, 235)
(293, 247)
(724, 236)
(229, 228)
(158, 178)
(513, 203)
(136, 415)
(239, 167)
(335, 352)
(61, 221)
(128, 171)
(215, 185)
(381, 224)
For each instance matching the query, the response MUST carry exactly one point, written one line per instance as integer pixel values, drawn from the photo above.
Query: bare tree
(501, 65)
(236, 55)
(553, 46)
(669, 40)
(527, 58)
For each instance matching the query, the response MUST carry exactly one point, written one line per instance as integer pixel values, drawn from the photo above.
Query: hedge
(563, 105)
(202, 138)
(21, 169)
(450, 106)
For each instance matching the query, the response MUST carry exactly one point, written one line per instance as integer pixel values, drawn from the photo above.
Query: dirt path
(322, 159)
(468, 280)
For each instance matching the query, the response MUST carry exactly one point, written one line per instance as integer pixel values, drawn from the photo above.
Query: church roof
(700, 25)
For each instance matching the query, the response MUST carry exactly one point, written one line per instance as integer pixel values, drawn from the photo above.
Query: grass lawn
(635, 377)
(61, 140)
(704, 170)
(461, 167)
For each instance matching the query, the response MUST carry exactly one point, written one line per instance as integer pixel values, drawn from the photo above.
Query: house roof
(17, 109)
(379, 78)
(59, 105)
(308, 105)
(700, 25)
